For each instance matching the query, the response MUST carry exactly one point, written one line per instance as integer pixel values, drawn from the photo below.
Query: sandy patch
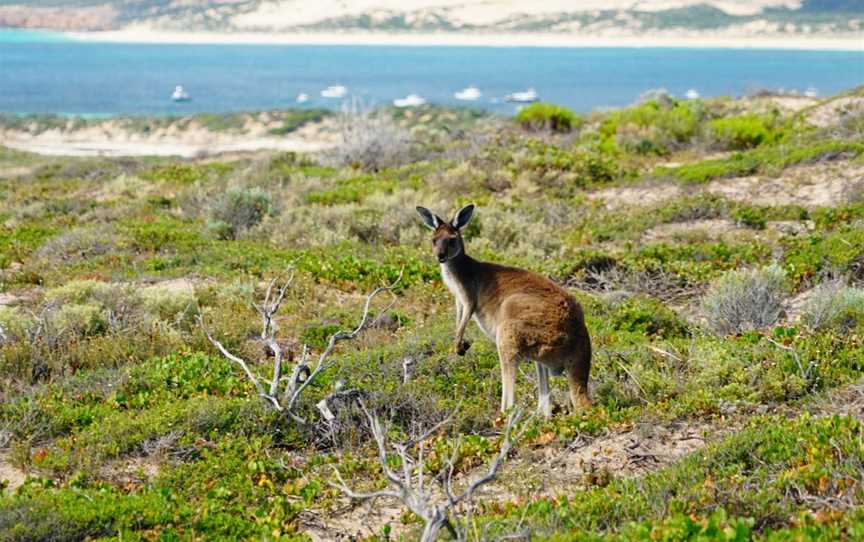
(545, 471)
(10, 474)
(132, 472)
(643, 194)
(173, 286)
(718, 228)
(743, 39)
(8, 299)
(792, 103)
(835, 111)
(185, 139)
(11, 172)
(713, 228)
(811, 185)
(63, 147)
(845, 401)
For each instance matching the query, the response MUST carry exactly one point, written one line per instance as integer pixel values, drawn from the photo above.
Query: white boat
(334, 91)
(523, 97)
(412, 100)
(302, 98)
(692, 94)
(811, 92)
(468, 94)
(180, 95)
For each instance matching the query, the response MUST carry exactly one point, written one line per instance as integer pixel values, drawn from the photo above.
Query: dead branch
(805, 373)
(285, 400)
(413, 490)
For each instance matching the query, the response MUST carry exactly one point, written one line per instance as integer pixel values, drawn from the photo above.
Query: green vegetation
(727, 329)
(546, 116)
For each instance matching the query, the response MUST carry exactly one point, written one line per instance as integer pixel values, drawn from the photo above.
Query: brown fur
(527, 315)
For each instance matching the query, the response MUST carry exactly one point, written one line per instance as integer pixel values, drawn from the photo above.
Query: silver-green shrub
(744, 300)
(833, 305)
(238, 210)
(370, 140)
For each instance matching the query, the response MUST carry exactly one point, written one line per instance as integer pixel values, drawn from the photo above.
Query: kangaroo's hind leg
(508, 353)
(544, 395)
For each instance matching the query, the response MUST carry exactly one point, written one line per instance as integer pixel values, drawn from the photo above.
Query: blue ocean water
(45, 73)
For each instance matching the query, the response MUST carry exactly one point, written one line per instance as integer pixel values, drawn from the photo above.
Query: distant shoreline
(473, 40)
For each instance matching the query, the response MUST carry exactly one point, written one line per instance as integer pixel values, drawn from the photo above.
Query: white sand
(60, 147)
(473, 39)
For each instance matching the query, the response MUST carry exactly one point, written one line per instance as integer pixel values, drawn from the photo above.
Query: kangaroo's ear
(463, 217)
(429, 218)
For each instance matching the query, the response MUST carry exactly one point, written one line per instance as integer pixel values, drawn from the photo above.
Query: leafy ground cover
(743, 327)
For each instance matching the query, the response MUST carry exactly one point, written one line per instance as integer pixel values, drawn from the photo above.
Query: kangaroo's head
(446, 236)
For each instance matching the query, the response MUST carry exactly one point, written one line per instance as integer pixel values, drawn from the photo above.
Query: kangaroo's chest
(454, 285)
(486, 322)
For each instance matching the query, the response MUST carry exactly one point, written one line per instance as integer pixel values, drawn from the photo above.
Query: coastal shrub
(168, 304)
(833, 305)
(82, 291)
(742, 132)
(648, 317)
(744, 300)
(79, 244)
(80, 319)
(238, 210)
(370, 140)
(584, 166)
(750, 217)
(654, 126)
(548, 116)
(13, 324)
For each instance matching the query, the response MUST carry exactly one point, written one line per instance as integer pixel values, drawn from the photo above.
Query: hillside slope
(592, 17)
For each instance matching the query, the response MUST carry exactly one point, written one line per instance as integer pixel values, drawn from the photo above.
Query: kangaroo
(528, 316)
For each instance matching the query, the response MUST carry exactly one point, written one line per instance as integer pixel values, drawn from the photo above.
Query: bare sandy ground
(808, 185)
(479, 39)
(109, 138)
(10, 474)
(540, 470)
(61, 147)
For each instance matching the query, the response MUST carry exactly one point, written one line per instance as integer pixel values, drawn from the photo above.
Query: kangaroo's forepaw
(463, 347)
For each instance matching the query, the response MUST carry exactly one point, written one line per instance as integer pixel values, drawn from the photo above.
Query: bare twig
(412, 490)
(296, 387)
(285, 400)
(804, 372)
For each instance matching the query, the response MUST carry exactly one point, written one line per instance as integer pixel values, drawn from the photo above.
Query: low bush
(79, 244)
(547, 116)
(740, 133)
(656, 126)
(744, 300)
(14, 324)
(370, 141)
(648, 317)
(834, 305)
(750, 217)
(238, 210)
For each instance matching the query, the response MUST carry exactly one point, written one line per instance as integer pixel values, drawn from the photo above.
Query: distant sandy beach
(475, 40)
